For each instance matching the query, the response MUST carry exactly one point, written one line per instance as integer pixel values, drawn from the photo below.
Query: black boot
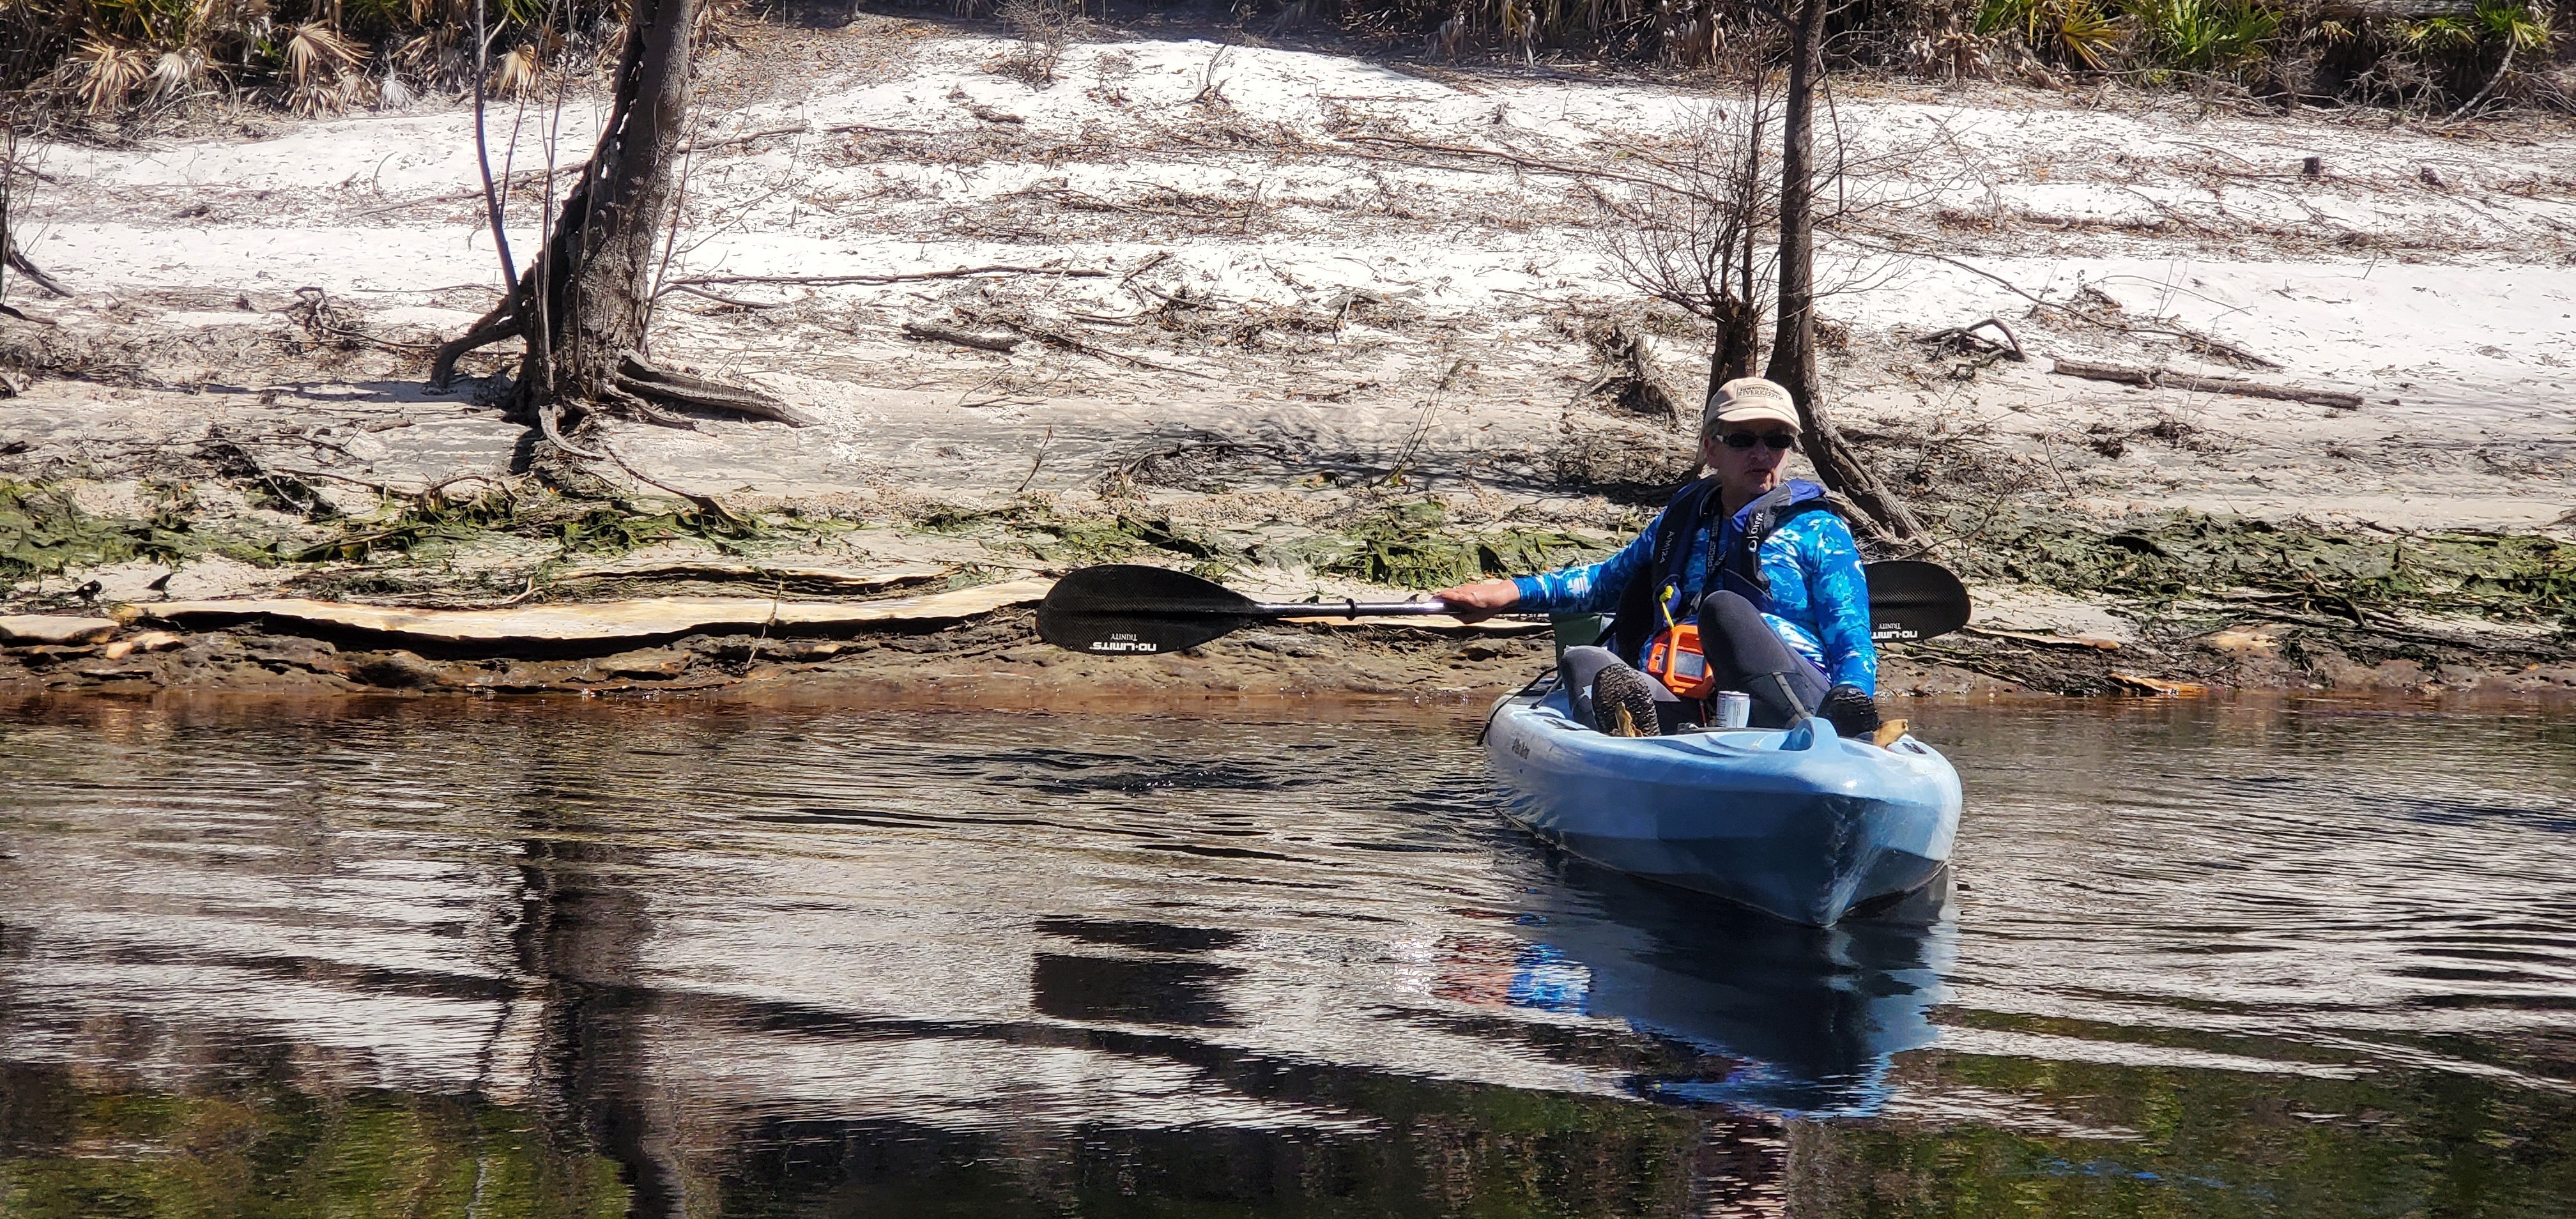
(1621, 703)
(1852, 713)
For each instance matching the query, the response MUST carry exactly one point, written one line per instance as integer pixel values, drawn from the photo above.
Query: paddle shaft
(1347, 609)
(1140, 610)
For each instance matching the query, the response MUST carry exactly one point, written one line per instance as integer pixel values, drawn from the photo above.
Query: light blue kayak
(1800, 824)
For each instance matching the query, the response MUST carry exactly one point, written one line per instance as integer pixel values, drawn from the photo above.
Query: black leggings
(1743, 651)
(1746, 654)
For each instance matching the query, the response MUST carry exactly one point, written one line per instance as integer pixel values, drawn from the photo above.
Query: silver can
(1732, 709)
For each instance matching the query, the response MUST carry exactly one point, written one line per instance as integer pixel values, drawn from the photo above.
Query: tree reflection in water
(488, 960)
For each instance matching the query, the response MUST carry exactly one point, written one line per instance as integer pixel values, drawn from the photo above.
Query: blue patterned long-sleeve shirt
(1819, 598)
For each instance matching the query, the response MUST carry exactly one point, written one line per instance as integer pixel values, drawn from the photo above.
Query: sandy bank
(1349, 313)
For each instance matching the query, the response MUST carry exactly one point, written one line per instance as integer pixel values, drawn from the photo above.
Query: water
(492, 958)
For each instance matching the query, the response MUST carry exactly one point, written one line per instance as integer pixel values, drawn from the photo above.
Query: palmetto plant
(316, 54)
(174, 73)
(104, 73)
(516, 72)
(318, 59)
(2072, 31)
(114, 56)
(2208, 35)
(2515, 23)
(2439, 35)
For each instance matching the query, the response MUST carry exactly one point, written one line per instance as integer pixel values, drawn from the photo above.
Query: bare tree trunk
(585, 303)
(1793, 348)
(1739, 329)
(1739, 342)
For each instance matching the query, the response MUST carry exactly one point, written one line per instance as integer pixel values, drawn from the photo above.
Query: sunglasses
(1746, 440)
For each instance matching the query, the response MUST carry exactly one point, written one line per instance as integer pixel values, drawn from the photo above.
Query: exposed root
(645, 380)
(1630, 380)
(18, 261)
(703, 503)
(502, 323)
(549, 414)
(646, 411)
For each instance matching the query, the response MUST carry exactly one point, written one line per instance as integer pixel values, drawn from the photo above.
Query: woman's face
(1748, 456)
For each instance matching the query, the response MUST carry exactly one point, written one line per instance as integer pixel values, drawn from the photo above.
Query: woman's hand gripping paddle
(1126, 609)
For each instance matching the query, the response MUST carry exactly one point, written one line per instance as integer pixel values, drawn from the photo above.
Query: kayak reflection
(1793, 1020)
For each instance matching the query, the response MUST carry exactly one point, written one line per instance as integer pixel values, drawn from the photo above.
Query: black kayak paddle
(1130, 609)
(1912, 599)
(1126, 609)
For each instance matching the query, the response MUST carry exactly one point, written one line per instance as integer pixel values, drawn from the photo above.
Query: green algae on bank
(2163, 558)
(44, 531)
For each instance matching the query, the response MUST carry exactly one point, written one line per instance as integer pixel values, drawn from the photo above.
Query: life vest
(1643, 606)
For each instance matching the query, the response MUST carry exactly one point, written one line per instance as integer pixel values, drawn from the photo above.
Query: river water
(555, 957)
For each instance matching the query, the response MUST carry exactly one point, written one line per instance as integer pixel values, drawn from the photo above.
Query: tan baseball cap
(1749, 400)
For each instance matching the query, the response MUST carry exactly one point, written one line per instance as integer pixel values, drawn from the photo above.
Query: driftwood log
(932, 332)
(2159, 378)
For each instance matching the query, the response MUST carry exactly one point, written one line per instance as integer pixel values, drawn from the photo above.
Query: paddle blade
(1909, 599)
(1124, 609)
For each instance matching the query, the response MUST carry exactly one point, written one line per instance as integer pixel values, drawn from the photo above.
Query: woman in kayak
(1764, 570)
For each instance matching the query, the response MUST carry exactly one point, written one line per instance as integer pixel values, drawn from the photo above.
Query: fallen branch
(744, 138)
(1967, 335)
(1159, 258)
(1043, 445)
(2156, 687)
(2376, 630)
(933, 332)
(830, 280)
(735, 302)
(473, 196)
(2157, 378)
(801, 129)
(1581, 172)
(2502, 70)
(1069, 343)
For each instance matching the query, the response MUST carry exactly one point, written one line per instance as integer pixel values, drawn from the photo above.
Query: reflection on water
(1808, 1020)
(545, 958)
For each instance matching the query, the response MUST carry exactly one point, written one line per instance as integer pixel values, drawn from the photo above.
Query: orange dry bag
(1675, 658)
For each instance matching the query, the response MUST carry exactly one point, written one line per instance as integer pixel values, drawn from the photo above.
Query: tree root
(646, 411)
(503, 322)
(549, 421)
(703, 503)
(645, 380)
(18, 260)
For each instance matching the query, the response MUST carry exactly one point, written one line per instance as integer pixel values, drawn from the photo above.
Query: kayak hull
(1800, 824)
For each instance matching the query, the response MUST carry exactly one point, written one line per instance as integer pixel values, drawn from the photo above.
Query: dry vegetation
(131, 59)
